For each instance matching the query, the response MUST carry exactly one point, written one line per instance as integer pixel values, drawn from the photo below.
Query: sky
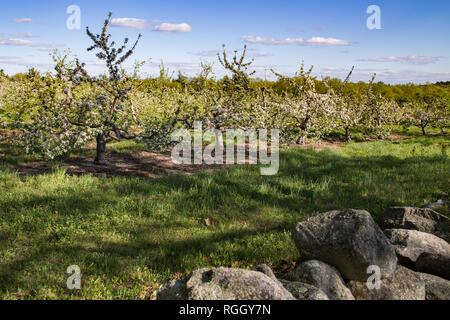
(411, 45)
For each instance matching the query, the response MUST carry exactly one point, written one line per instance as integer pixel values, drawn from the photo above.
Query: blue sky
(412, 45)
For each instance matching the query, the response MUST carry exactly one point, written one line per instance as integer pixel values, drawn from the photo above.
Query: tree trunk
(348, 136)
(423, 131)
(219, 140)
(101, 150)
(301, 140)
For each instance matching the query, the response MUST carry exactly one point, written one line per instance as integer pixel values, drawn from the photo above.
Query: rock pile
(340, 251)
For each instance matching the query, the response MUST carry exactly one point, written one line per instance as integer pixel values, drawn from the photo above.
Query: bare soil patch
(140, 163)
(145, 164)
(332, 143)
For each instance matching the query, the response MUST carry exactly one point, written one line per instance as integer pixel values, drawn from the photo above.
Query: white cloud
(141, 24)
(48, 49)
(407, 60)
(272, 41)
(19, 43)
(173, 28)
(315, 41)
(23, 35)
(256, 53)
(23, 20)
(208, 53)
(9, 58)
(28, 43)
(16, 61)
(132, 23)
(260, 54)
(319, 41)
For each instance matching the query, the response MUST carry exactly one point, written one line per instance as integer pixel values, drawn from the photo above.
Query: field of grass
(129, 235)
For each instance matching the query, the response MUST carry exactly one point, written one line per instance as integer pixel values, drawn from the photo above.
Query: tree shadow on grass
(105, 262)
(308, 183)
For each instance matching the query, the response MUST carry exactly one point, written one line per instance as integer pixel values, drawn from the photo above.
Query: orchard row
(54, 113)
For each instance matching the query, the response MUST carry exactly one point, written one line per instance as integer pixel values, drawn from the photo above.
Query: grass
(130, 235)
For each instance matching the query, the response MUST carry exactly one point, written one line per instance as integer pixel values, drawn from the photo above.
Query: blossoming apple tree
(70, 108)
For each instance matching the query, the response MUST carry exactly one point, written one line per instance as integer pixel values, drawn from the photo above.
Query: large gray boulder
(304, 291)
(433, 263)
(225, 284)
(420, 219)
(410, 244)
(435, 288)
(323, 276)
(349, 240)
(404, 285)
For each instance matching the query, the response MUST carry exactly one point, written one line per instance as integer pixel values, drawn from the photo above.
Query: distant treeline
(400, 93)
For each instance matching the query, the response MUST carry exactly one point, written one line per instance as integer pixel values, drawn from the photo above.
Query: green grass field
(129, 235)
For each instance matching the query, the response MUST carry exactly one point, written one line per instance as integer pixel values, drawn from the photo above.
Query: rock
(322, 276)
(304, 291)
(420, 219)
(437, 205)
(436, 288)
(226, 284)
(301, 291)
(264, 268)
(349, 240)
(410, 244)
(433, 263)
(208, 222)
(404, 285)
(173, 290)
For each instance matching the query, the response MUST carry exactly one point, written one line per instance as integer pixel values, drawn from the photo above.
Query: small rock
(436, 288)
(437, 205)
(301, 291)
(322, 276)
(304, 291)
(349, 240)
(410, 244)
(173, 290)
(226, 284)
(264, 268)
(420, 219)
(433, 263)
(404, 285)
